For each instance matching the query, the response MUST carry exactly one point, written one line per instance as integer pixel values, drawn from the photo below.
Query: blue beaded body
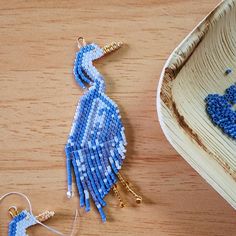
(221, 111)
(96, 144)
(19, 224)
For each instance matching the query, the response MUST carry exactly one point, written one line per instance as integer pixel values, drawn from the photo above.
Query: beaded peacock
(96, 143)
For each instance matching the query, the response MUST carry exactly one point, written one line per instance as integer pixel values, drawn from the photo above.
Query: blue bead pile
(221, 111)
(96, 144)
(19, 224)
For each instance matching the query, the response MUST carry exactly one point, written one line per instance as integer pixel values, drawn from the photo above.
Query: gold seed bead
(117, 193)
(112, 47)
(129, 189)
(45, 216)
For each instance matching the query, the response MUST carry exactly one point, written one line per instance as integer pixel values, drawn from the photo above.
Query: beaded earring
(96, 143)
(23, 220)
(221, 111)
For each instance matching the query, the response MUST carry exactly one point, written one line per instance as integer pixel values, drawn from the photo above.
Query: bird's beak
(111, 47)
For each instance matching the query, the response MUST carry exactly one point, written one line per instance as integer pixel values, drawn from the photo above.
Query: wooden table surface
(38, 96)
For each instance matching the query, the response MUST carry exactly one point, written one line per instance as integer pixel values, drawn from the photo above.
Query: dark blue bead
(228, 71)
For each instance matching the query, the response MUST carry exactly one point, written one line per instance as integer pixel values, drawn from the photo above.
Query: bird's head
(84, 70)
(97, 51)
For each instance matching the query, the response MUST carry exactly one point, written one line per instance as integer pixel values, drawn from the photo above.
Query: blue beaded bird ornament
(96, 143)
(22, 221)
(221, 110)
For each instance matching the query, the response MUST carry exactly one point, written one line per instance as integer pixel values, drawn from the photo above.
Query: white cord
(31, 212)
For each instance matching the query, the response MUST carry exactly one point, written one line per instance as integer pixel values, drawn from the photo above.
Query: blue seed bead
(228, 71)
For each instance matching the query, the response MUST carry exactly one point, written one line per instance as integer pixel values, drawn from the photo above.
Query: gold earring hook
(13, 211)
(81, 42)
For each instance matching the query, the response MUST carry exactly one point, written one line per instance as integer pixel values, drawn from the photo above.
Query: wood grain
(38, 96)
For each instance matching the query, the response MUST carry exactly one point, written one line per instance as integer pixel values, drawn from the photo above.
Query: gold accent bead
(112, 47)
(126, 184)
(45, 216)
(117, 193)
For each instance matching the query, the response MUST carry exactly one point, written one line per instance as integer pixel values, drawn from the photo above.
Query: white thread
(31, 212)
